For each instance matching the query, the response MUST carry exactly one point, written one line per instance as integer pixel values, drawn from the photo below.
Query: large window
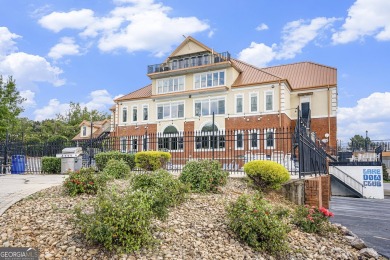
(239, 103)
(171, 139)
(254, 98)
(170, 110)
(239, 140)
(135, 114)
(123, 144)
(269, 100)
(210, 138)
(209, 79)
(170, 85)
(145, 112)
(208, 106)
(124, 114)
(134, 145)
(254, 140)
(269, 138)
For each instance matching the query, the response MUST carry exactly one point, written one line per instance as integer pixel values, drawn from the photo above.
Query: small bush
(166, 191)
(204, 176)
(266, 174)
(84, 181)
(258, 224)
(51, 165)
(119, 222)
(102, 159)
(117, 169)
(312, 219)
(151, 160)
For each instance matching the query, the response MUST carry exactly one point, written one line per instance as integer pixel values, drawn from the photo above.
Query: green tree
(10, 104)
(359, 142)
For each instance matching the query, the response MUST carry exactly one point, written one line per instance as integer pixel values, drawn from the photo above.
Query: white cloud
(262, 27)
(257, 54)
(29, 97)
(100, 100)
(365, 18)
(7, 43)
(57, 21)
(133, 25)
(51, 110)
(371, 113)
(66, 46)
(28, 69)
(295, 36)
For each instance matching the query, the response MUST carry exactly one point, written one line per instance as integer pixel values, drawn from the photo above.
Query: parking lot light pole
(366, 143)
(90, 145)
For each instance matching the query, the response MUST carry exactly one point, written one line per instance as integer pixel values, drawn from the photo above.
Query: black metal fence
(292, 148)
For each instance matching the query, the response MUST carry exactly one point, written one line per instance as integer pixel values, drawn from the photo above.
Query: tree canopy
(359, 142)
(10, 104)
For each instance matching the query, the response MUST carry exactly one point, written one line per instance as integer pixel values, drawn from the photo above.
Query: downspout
(280, 105)
(329, 102)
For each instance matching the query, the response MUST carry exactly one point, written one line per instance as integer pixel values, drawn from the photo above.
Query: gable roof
(250, 74)
(140, 93)
(187, 40)
(303, 75)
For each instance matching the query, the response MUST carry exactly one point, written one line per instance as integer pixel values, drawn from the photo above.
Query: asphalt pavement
(369, 219)
(14, 187)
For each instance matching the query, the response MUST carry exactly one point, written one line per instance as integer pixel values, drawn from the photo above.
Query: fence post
(213, 142)
(5, 153)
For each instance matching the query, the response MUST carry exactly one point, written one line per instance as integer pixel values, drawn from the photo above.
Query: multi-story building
(195, 82)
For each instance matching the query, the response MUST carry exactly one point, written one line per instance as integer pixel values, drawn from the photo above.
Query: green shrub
(258, 224)
(151, 160)
(101, 159)
(119, 222)
(165, 190)
(84, 181)
(117, 169)
(312, 219)
(386, 176)
(266, 174)
(51, 165)
(204, 176)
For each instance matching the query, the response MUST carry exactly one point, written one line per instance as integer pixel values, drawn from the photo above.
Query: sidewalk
(14, 187)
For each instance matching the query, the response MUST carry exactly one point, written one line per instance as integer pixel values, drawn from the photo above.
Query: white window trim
(147, 107)
(235, 104)
(131, 144)
(132, 113)
(212, 72)
(121, 145)
(235, 139)
(173, 78)
(304, 99)
(127, 116)
(208, 98)
(170, 113)
(220, 131)
(250, 139)
(265, 100)
(180, 134)
(250, 102)
(265, 138)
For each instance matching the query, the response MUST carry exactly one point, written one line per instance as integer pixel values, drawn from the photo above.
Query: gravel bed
(194, 230)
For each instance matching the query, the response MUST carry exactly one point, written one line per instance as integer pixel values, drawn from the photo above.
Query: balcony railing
(190, 61)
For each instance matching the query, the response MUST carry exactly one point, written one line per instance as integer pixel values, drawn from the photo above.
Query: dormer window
(84, 131)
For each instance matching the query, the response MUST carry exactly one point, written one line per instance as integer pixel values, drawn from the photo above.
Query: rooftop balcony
(190, 61)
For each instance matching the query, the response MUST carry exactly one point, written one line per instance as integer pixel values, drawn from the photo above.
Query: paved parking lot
(14, 187)
(367, 218)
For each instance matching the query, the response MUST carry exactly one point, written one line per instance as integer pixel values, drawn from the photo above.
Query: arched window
(210, 137)
(170, 139)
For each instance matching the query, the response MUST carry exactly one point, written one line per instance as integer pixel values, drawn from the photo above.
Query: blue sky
(93, 51)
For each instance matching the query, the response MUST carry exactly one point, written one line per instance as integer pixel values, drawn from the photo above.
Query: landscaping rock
(358, 243)
(369, 252)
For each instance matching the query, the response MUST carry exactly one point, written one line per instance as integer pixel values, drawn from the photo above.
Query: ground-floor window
(210, 138)
(170, 140)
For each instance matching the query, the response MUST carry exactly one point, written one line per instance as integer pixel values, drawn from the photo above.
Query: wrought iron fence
(292, 148)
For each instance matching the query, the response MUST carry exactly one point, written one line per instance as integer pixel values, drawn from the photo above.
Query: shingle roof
(251, 75)
(140, 93)
(305, 74)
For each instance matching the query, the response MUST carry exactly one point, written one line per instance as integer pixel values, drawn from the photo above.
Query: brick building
(195, 81)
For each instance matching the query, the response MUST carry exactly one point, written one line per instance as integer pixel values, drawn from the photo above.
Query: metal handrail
(348, 180)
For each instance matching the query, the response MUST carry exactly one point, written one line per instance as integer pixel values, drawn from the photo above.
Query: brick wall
(321, 127)
(317, 191)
